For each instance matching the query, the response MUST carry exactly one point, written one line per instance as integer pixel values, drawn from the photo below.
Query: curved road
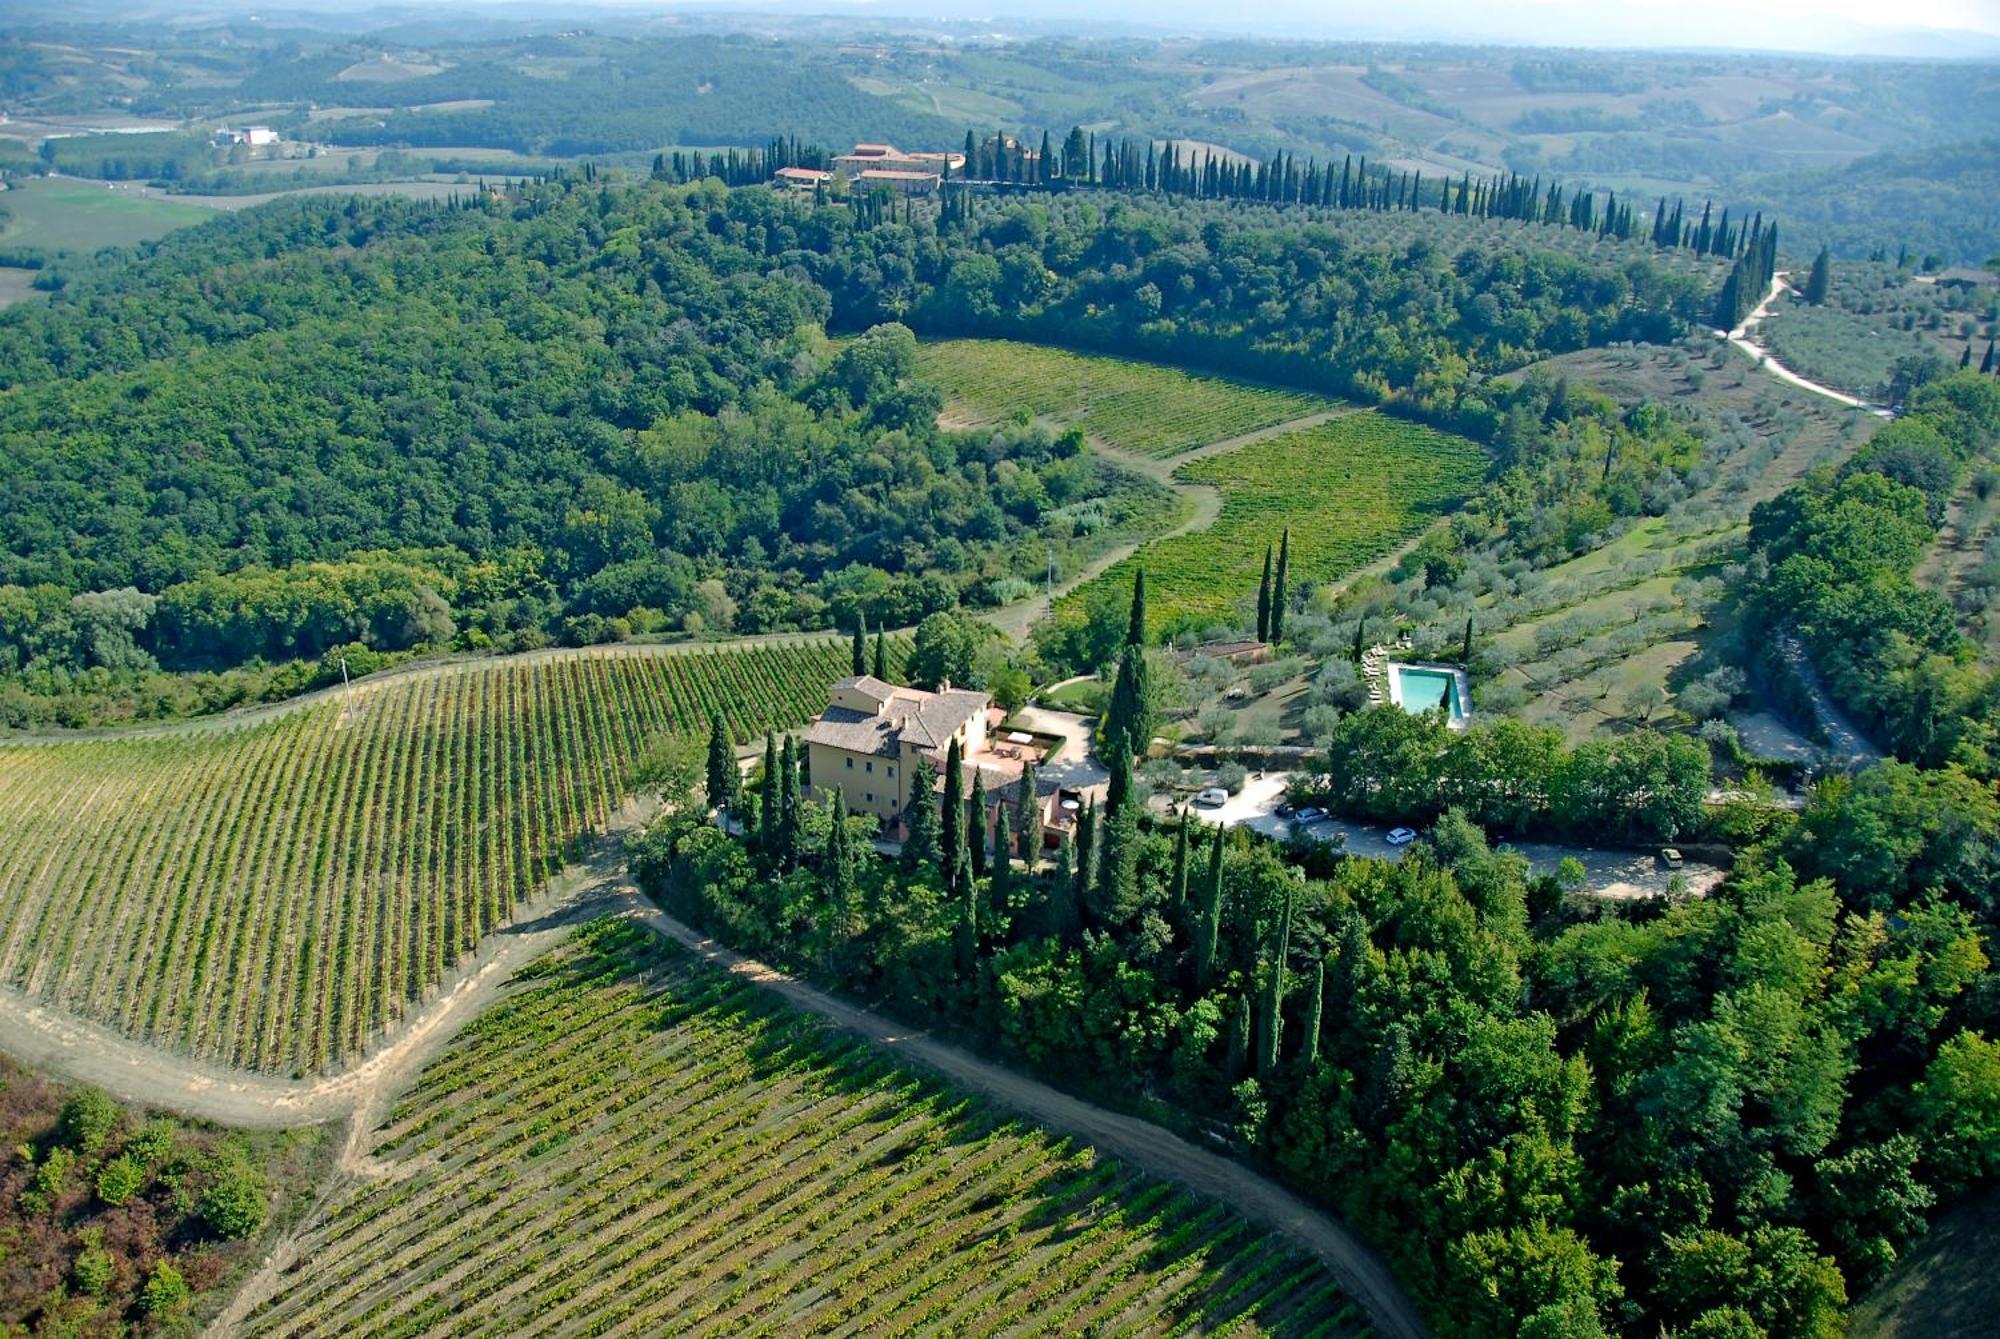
(150, 1077)
(1762, 357)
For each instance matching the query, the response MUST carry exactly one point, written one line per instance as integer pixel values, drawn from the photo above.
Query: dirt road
(1205, 504)
(1740, 337)
(1360, 1271)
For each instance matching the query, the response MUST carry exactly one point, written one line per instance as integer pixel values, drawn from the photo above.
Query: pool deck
(1461, 681)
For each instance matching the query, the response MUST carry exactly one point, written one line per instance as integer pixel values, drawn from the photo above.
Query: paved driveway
(1076, 765)
(1609, 871)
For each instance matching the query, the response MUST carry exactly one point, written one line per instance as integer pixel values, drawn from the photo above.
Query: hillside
(277, 893)
(636, 1139)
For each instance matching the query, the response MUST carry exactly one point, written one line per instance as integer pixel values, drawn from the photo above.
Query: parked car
(1284, 810)
(1212, 798)
(1401, 836)
(1309, 814)
(1671, 857)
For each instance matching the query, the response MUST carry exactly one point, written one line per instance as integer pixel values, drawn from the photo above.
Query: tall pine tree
(790, 824)
(721, 764)
(1135, 622)
(1028, 817)
(1819, 284)
(860, 648)
(920, 840)
(976, 833)
(1264, 600)
(1208, 924)
(1280, 593)
(951, 828)
(772, 809)
(881, 667)
(1270, 1036)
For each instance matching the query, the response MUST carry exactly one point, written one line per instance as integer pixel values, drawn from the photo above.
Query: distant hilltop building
(254, 136)
(870, 166)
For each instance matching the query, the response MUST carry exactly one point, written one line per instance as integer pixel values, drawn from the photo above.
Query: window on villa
(870, 766)
(850, 764)
(871, 797)
(892, 774)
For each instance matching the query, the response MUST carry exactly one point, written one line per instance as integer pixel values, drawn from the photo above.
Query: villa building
(867, 745)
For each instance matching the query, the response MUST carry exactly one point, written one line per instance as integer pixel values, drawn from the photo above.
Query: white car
(1212, 798)
(1308, 815)
(1401, 836)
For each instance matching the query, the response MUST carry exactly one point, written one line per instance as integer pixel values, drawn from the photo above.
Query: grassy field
(58, 214)
(639, 1143)
(1144, 408)
(1593, 641)
(1349, 490)
(275, 894)
(1945, 1283)
(16, 285)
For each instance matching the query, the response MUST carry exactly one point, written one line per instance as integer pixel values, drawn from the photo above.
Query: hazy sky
(1858, 27)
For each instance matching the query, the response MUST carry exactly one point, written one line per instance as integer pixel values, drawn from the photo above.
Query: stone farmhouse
(866, 746)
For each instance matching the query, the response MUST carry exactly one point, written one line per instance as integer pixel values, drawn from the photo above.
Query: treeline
(1198, 172)
(1554, 1116)
(738, 167)
(1834, 558)
(1750, 277)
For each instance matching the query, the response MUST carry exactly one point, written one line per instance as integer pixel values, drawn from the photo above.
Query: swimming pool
(1418, 689)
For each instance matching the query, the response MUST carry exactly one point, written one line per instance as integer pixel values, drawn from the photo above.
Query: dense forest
(584, 410)
(1556, 1115)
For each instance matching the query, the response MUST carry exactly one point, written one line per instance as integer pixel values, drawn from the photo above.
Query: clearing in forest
(1349, 490)
(275, 894)
(1145, 408)
(637, 1142)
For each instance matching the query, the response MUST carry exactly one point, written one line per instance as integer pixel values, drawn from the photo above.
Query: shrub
(1231, 776)
(166, 1293)
(87, 1120)
(94, 1266)
(233, 1205)
(120, 1179)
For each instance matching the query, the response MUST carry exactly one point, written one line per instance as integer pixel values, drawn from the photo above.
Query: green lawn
(59, 214)
(1144, 408)
(1349, 490)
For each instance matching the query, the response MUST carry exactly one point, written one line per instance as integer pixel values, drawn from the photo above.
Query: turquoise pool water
(1424, 689)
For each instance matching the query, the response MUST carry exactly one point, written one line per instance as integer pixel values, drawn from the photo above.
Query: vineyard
(1349, 490)
(274, 895)
(1144, 408)
(637, 1143)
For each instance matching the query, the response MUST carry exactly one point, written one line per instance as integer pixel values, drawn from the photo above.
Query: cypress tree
(1965, 358)
(1003, 860)
(1315, 1014)
(1279, 593)
(920, 844)
(1086, 865)
(1819, 284)
(1388, 1087)
(1360, 635)
(1465, 652)
(1128, 718)
(1264, 600)
(1208, 925)
(1029, 809)
(772, 810)
(1135, 623)
(967, 935)
(721, 762)
(951, 830)
(1987, 364)
(881, 667)
(790, 829)
(860, 645)
(1270, 1038)
(1179, 885)
(1117, 887)
(1238, 1063)
(1065, 861)
(1119, 788)
(976, 834)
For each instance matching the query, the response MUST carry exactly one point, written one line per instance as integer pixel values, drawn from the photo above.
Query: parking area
(1608, 871)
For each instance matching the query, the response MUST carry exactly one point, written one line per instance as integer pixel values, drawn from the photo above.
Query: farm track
(1768, 362)
(1204, 506)
(362, 1096)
